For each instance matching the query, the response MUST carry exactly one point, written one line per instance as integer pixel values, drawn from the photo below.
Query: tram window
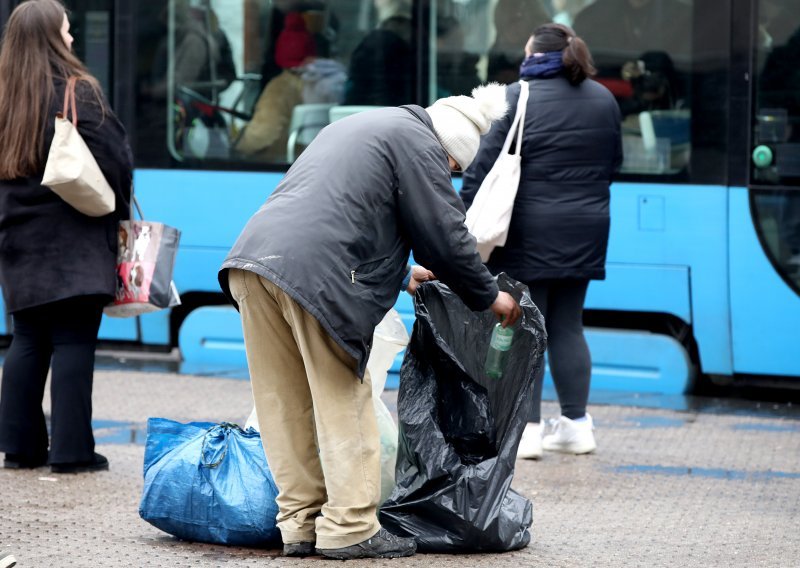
(642, 50)
(776, 125)
(778, 216)
(212, 93)
(775, 164)
(249, 83)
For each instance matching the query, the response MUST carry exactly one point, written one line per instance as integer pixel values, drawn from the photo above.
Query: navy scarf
(541, 65)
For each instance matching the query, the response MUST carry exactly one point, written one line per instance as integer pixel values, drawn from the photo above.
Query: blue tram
(704, 256)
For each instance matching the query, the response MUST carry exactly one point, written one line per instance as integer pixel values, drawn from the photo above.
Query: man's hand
(419, 274)
(506, 309)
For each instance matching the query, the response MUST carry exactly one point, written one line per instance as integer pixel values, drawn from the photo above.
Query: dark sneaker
(299, 549)
(18, 461)
(97, 463)
(7, 559)
(382, 545)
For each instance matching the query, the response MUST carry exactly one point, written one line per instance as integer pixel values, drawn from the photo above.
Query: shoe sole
(299, 552)
(17, 465)
(79, 469)
(529, 456)
(364, 556)
(8, 562)
(576, 449)
(345, 556)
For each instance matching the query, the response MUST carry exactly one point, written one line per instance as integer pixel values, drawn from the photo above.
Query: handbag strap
(69, 101)
(135, 203)
(518, 122)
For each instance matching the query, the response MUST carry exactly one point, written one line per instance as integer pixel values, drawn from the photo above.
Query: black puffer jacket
(48, 250)
(571, 148)
(336, 233)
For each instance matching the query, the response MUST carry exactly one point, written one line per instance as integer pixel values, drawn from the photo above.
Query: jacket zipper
(353, 276)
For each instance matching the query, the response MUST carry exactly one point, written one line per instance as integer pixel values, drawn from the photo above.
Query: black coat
(571, 148)
(48, 250)
(336, 233)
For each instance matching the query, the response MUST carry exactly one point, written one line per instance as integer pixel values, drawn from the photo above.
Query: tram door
(765, 219)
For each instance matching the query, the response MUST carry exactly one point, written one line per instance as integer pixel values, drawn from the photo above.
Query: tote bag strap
(69, 101)
(518, 122)
(522, 108)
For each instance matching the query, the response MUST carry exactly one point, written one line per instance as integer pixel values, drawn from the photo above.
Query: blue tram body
(703, 270)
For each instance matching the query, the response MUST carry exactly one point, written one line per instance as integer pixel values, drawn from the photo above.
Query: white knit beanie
(460, 121)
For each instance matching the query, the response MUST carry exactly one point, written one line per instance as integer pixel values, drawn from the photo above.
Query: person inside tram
(634, 26)
(620, 31)
(322, 23)
(203, 56)
(304, 79)
(513, 21)
(203, 68)
(382, 65)
(456, 70)
(654, 84)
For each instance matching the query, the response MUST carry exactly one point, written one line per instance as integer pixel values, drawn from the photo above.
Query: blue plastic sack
(208, 482)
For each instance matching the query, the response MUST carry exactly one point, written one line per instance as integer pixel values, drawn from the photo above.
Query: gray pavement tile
(664, 488)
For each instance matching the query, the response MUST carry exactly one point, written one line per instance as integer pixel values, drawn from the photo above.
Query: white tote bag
(489, 215)
(71, 170)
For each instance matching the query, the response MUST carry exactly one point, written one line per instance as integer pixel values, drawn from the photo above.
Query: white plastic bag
(489, 215)
(389, 339)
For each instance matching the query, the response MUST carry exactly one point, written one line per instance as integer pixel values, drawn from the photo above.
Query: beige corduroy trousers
(306, 391)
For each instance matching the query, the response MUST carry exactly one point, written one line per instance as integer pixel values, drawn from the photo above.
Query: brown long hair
(32, 55)
(575, 56)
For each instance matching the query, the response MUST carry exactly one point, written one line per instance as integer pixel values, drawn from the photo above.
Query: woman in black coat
(558, 235)
(57, 265)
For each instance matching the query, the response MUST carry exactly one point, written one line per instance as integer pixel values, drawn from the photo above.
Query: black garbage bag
(459, 430)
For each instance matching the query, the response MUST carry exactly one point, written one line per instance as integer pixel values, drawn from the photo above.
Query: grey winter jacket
(336, 233)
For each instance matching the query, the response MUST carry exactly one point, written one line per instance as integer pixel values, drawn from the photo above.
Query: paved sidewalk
(665, 488)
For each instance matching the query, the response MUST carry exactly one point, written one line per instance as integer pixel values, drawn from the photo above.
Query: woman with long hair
(57, 265)
(557, 240)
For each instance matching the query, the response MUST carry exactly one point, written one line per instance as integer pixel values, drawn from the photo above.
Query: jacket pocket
(372, 272)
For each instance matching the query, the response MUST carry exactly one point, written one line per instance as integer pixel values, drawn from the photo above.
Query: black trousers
(561, 304)
(62, 334)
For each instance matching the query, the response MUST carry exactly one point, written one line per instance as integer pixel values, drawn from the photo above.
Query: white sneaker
(530, 447)
(7, 559)
(571, 437)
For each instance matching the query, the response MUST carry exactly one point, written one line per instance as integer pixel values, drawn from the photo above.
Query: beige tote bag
(71, 170)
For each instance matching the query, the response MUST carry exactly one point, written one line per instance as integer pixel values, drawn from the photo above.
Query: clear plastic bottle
(499, 346)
